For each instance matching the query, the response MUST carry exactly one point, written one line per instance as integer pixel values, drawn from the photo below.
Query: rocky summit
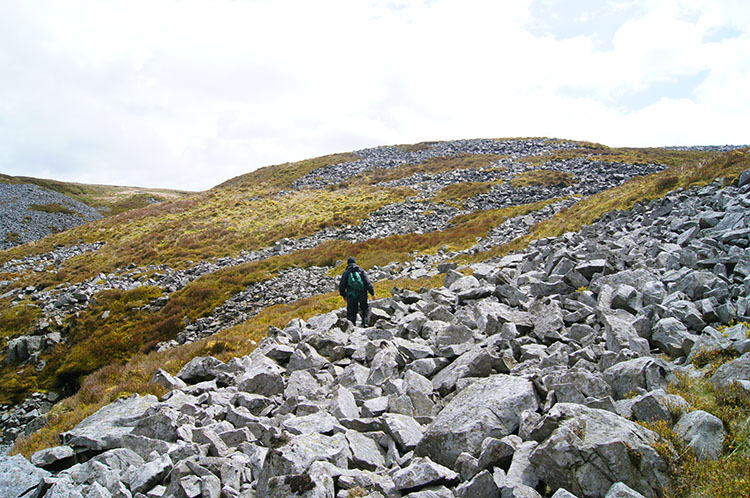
(531, 374)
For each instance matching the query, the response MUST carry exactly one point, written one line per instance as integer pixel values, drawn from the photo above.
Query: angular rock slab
(489, 407)
(737, 370)
(589, 449)
(644, 373)
(423, 472)
(105, 428)
(703, 432)
(296, 457)
(17, 475)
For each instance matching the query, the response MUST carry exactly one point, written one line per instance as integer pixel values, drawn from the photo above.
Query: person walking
(353, 287)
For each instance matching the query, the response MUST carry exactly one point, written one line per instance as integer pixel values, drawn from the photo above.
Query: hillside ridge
(507, 380)
(207, 276)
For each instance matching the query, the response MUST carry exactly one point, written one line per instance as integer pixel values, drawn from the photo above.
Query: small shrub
(51, 208)
(668, 182)
(13, 237)
(714, 358)
(543, 177)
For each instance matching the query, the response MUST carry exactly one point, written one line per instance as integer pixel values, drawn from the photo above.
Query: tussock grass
(543, 177)
(54, 208)
(218, 223)
(627, 155)
(456, 193)
(729, 475)
(18, 320)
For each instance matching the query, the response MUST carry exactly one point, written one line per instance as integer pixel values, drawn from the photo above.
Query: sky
(186, 94)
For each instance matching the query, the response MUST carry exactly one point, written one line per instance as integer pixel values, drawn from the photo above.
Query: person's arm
(342, 283)
(368, 284)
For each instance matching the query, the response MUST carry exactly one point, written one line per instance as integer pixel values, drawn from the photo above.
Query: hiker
(353, 287)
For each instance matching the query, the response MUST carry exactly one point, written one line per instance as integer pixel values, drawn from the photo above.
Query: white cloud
(186, 94)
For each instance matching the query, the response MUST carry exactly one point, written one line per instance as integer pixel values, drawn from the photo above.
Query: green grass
(729, 475)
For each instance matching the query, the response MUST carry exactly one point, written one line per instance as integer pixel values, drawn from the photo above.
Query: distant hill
(33, 208)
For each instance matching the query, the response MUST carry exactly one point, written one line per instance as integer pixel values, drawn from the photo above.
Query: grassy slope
(110, 200)
(242, 213)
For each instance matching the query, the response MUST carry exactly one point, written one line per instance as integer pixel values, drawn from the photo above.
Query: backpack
(354, 285)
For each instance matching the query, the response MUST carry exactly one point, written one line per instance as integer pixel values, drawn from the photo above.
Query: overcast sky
(186, 94)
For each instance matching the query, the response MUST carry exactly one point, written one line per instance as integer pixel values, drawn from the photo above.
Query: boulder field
(526, 378)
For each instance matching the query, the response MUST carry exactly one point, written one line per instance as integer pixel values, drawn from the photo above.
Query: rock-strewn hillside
(28, 212)
(507, 182)
(34, 208)
(535, 375)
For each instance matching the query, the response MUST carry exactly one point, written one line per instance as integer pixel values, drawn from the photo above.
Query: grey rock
(481, 484)
(296, 457)
(200, 369)
(627, 298)
(263, 377)
(737, 370)
(162, 424)
(17, 475)
(658, 405)
(521, 471)
(405, 430)
(622, 490)
(302, 485)
(591, 449)
(671, 336)
(703, 432)
(51, 458)
(563, 493)
(709, 340)
(316, 423)
(149, 475)
(343, 404)
(489, 407)
(164, 379)
(365, 452)
(423, 472)
(105, 428)
(477, 362)
(639, 373)
(620, 334)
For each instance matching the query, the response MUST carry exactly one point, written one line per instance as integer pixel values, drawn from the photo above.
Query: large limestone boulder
(737, 370)
(489, 407)
(703, 432)
(17, 475)
(640, 373)
(296, 457)
(105, 428)
(586, 450)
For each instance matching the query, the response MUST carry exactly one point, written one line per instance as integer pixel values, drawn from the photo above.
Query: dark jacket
(345, 280)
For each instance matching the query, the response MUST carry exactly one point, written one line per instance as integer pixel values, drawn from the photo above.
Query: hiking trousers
(358, 303)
